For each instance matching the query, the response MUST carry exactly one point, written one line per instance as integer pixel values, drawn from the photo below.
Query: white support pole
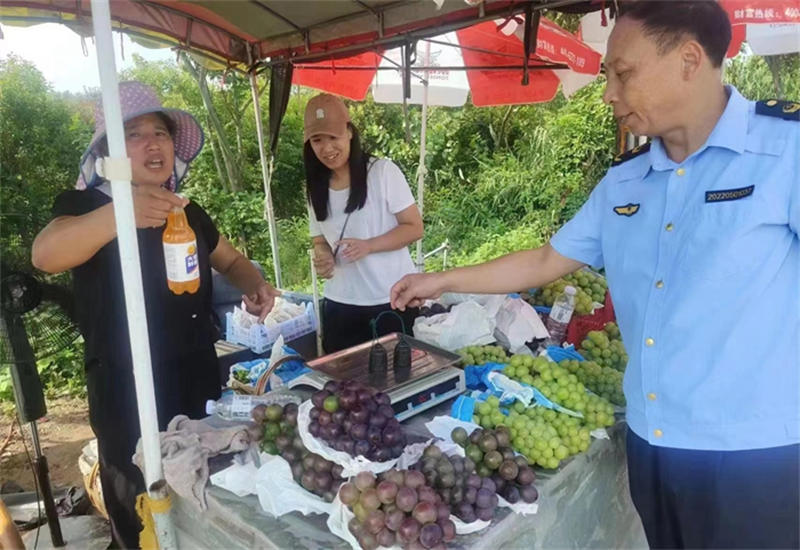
(129, 258)
(423, 142)
(317, 304)
(266, 177)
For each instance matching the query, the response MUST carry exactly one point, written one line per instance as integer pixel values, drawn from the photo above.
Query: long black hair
(318, 177)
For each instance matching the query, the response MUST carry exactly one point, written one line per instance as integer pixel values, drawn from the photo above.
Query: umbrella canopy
(770, 26)
(491, 54)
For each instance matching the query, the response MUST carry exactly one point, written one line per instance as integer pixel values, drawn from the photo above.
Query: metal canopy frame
(209, 28)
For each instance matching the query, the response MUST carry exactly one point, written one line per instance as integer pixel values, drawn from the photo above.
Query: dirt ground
(62, 434)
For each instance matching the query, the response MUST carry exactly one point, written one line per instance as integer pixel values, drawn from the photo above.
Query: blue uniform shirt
(703, 264)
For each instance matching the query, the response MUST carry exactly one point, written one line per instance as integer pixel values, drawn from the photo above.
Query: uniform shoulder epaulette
(787, 110)
(632, 153)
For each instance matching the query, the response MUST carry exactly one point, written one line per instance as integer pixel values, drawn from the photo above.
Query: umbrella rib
(339, 19)
(278, 16)
(400, 67)
(392, 41)
(549, 67)
(366, 7)
(474, 49)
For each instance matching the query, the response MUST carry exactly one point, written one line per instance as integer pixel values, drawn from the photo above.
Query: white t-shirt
(366, 282)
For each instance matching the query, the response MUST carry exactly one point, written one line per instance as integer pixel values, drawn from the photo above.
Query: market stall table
(584, 504)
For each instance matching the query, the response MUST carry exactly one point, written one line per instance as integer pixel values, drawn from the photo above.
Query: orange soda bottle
(180, 254)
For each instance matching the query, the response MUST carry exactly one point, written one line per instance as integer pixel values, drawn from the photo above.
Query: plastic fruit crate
(260, 338)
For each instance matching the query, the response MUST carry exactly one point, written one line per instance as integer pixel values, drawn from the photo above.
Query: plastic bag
(475, 375)
(517, 323)
(236, 478)
(490, 302)
(468, 323)
(278, 493)
(286, 372)
(509, 390)
(338, 520)
(351, 465)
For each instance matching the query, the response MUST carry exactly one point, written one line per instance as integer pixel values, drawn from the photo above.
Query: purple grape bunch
(353, 418)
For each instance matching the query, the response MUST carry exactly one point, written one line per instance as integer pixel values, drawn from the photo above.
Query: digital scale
(431, 380)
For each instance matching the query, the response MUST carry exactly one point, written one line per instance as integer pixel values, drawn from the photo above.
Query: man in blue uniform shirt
(698, 233)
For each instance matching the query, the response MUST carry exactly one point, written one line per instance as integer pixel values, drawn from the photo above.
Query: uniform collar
(730, 132)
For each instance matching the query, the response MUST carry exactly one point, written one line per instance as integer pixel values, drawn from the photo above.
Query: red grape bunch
(396, 507)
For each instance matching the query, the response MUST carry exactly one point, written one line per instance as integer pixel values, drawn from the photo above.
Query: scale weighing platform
(431, 380)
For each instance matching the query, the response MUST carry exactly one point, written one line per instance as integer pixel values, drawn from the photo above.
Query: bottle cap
(211, 405)
(570, 290)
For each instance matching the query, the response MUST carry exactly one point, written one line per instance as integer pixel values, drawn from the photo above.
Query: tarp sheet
(585, 504)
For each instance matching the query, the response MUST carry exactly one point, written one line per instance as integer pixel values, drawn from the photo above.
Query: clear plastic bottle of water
(560, 314)
(233, 406)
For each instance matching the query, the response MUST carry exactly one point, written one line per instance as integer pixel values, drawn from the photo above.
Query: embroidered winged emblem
(627, 210)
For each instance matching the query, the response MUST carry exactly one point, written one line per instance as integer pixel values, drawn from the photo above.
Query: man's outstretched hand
(413, 289)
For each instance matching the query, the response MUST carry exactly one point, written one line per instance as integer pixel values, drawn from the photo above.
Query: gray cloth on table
(186, 447)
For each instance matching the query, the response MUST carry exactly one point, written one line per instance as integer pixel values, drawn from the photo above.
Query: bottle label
(241, 407)
(560, 314)
(181, 261)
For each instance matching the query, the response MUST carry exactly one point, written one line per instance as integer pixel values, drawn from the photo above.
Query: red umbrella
(487, 47)
(747, 12)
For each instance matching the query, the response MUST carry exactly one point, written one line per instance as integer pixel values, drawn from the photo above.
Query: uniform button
(649, 342)
(659, 284)
(669, 227)
(194, 315)
(651, 396)
(680, 171)
(658, 433)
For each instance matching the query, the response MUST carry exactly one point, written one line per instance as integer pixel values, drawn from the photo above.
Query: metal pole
(266, 177)
(119, 171)
(317, 312)
(423, 141)
(42, 474)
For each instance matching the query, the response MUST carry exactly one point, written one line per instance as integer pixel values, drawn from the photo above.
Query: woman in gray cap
(362, 218)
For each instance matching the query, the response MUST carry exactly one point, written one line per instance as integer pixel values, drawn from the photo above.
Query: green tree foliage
(757, 78)
(42, 135)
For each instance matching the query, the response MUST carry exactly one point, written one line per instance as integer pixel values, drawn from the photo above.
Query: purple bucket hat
(138, 99)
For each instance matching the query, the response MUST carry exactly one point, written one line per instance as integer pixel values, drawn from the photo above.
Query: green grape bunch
(544, 436)
(605, 347)
(590, 287)
(480, 355)
(603, 381)
(590, 282)
(558, 383)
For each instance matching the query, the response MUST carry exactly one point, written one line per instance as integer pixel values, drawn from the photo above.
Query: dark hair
(667, 22)
(102, 145)
(318, 177)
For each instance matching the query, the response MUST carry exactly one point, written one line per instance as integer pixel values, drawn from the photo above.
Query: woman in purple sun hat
(81, 237)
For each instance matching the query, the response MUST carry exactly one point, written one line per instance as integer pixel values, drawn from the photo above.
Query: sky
(56, 51)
